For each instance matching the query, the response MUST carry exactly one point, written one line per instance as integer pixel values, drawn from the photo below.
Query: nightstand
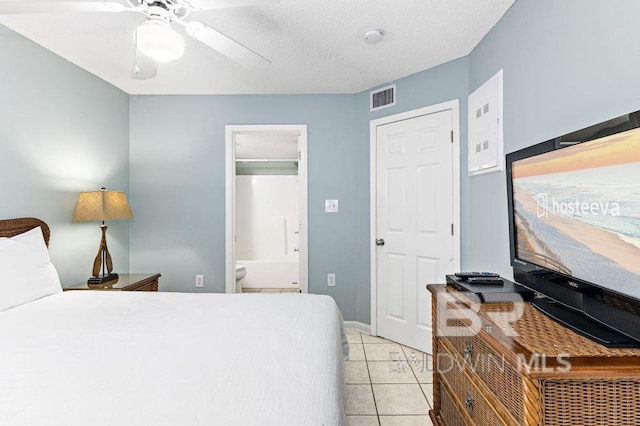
(125, 282)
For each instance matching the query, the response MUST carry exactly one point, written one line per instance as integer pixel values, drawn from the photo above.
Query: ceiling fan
(155, 39)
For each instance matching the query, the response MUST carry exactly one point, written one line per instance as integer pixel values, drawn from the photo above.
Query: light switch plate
(331, 206)
(331, 280)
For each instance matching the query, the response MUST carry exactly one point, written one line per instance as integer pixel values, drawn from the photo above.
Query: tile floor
(271, 290)
(387, 384)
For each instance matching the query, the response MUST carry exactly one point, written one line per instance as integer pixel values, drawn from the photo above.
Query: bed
(141, 358)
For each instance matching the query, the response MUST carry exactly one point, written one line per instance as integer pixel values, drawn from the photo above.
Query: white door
(415, 219)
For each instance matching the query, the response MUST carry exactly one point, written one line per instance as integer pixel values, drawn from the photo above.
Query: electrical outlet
(331, 280)
(331, 206)
(199, 281)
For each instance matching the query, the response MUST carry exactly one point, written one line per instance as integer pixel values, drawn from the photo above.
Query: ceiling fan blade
(221, 4)
(144, 67)
(22, 7)
(227, 46)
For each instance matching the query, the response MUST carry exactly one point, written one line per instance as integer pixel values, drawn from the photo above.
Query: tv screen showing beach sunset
(577, 211)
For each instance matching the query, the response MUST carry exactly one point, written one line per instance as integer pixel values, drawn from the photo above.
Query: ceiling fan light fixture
(157, 40)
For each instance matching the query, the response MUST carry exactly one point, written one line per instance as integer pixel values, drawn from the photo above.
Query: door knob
(380, 242)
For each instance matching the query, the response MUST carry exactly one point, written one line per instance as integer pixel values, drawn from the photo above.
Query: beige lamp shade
(102, 205)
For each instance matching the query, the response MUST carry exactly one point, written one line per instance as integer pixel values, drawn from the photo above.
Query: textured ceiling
(315, 46)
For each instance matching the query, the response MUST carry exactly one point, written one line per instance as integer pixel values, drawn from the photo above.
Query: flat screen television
(574, 226)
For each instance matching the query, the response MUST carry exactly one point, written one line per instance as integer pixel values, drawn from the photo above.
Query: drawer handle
(468, 350)
(469, 401)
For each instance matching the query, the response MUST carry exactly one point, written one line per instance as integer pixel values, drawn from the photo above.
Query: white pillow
(26, 271)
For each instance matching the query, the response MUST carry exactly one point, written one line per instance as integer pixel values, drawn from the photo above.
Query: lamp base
(100, 279)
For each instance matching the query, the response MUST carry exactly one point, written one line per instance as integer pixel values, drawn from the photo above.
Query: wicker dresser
(535, 373)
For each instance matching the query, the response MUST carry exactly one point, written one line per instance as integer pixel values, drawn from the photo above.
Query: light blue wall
(177, 185)
(62, 131)
(567, 64)
(178, 180)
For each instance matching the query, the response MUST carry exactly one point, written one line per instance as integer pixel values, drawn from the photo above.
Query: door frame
(230, 202)
(454, 107)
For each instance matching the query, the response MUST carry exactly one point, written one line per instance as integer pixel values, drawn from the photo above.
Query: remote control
(485, 280)
(467, 275)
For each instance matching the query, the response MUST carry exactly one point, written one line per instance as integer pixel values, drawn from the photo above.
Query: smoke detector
(372, 35)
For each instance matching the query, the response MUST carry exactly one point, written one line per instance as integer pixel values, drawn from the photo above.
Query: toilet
(241, 272)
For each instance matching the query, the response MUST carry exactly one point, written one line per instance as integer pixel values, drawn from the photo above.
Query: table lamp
(102, 205)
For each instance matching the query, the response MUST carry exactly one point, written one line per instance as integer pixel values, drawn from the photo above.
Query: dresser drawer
(448, 410)
(591, 402)
(493, 370)
(464, 394)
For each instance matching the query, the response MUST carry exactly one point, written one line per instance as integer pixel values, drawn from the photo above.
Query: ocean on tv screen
(577, 211)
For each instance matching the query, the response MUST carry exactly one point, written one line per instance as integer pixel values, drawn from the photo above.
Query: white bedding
(137, 358)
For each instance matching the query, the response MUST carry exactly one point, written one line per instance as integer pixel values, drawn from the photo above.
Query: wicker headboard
(12, 227)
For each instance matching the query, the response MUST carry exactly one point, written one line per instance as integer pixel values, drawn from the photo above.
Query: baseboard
(358, 326)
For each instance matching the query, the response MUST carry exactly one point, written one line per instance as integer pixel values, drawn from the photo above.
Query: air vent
(383, 98)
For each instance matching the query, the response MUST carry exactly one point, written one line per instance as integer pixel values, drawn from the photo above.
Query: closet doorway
(266, 208)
